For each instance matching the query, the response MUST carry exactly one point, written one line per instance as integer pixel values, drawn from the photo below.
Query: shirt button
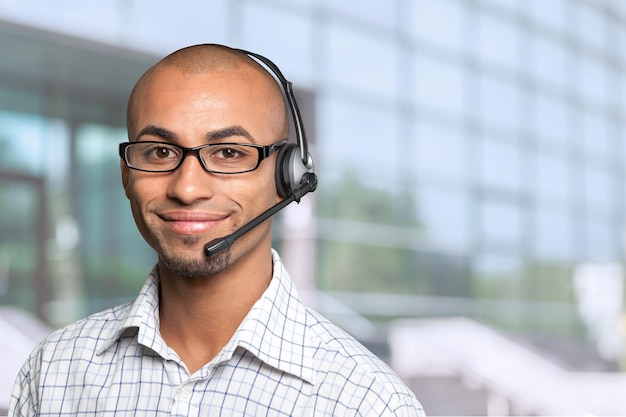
(185, 393)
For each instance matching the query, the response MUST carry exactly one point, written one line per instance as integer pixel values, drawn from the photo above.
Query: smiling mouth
(188, 223)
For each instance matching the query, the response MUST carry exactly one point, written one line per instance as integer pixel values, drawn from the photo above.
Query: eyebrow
(212, 136)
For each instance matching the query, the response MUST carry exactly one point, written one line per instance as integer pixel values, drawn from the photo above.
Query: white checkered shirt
(283, 360)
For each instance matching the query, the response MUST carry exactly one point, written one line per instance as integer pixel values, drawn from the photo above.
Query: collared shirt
(283, 360)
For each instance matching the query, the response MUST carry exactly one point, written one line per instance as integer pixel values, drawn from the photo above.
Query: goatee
(194, 267)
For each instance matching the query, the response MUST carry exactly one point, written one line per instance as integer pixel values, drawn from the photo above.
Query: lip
(190, 223)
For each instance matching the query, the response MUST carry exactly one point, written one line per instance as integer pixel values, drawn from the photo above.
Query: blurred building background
(472, 164)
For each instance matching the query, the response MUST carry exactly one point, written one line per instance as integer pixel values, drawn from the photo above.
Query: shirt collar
(143, 316)
(275, 329)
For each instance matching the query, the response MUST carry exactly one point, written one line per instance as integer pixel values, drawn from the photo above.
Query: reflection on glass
(441, 22)
(291, 53)
(552, 178)
(549, 62)
(550, 13)
(596, 141)
(114, 257)
(498, 41)
(439, 84)
(501, 222)
(501, 164)
(500, 102)
(599, 187)
(440, 152)
(498, 276)
(445, 215)
(592, 83)
(21, 142)
(600, 244)
(551, 119)
(19, 233)
(357, 60)
(552, 235)
(359, 138)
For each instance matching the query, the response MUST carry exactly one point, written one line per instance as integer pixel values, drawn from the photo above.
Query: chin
(195, 265)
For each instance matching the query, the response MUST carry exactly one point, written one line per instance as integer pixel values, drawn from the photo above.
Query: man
(208, 335)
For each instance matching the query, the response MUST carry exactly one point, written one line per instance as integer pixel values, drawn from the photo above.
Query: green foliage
(351, 200)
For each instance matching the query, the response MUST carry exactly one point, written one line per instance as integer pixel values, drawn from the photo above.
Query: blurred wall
(470, 153)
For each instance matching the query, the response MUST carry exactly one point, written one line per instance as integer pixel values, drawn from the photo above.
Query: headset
(295, 172)
(293, 160)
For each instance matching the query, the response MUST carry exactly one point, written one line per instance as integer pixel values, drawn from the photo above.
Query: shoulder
(355, 374)
(62, 354)
(82, 338)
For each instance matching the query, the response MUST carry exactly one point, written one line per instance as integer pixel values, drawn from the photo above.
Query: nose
(190, 181)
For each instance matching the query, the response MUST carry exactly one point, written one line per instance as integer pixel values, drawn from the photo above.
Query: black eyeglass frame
(264, 152)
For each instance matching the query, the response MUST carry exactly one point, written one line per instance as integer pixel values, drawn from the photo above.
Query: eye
(228, 153)
(161, 152)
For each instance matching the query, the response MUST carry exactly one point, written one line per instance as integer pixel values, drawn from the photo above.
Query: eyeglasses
(219, 158)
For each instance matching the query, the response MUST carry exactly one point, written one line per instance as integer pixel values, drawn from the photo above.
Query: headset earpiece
(289, 169)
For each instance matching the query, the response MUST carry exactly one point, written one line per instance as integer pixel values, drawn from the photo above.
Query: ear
(125, 172)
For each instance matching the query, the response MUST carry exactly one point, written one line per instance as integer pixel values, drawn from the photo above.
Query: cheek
(139, 196)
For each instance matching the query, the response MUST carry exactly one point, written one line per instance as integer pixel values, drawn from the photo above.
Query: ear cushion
(289, 169)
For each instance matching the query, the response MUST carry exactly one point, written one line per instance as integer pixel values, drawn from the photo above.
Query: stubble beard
(193, 267)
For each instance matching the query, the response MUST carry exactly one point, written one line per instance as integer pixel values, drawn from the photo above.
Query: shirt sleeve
(409, 408)
(23, 402)
(406, 406)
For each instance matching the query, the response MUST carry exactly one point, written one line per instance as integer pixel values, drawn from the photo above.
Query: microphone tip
(216, 246)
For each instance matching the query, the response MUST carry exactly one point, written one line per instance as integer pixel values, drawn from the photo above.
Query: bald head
(207, 59)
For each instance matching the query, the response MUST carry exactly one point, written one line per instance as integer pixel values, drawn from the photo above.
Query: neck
(200, 315)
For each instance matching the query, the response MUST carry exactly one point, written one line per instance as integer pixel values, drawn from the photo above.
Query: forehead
(238, 96)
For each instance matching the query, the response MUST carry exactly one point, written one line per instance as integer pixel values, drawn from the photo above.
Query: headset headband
(291, 101)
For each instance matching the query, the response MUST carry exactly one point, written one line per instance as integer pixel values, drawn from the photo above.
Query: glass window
(444, 215)
(500, 164)
(498, 276)
(551, 119)
(439, 84)
(263, 31)
(115, 259)
(603, 241)
(361, 61)
(551, 236)
(97, 20)
(590, 24)
(501, 222)
(596, 141)
(20, 205)
(593, 83)
(552, 177)
(500, 101)
(13, 100)
(441, 22)
(550, 13)
(380, 12)
(358, 138)
(440, 152)
(183, 23)
(56, 149)
(549, 61)
(509, 4)
(599, 188)
(498, 41)
(22, 141)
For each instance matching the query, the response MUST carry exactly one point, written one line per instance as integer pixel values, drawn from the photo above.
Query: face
(179, 212)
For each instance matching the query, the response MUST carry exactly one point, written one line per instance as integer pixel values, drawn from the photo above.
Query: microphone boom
(308, 184)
